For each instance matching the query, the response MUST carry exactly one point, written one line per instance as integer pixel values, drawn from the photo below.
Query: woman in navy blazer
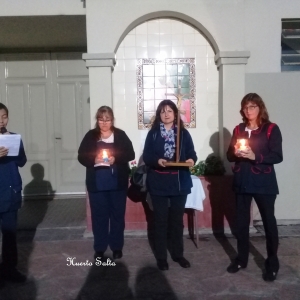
(168, 186)
(107, 185)
(254, 177)
(10, 202)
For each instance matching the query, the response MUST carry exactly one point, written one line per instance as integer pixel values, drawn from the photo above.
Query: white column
(231, 65)
(100, 67)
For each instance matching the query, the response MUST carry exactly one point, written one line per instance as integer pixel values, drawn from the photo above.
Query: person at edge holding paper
(168, 186)
(107, 184)
(254, 177)
(10, 202)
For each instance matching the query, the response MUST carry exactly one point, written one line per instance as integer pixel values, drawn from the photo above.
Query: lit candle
(105, 156)
(242, 144)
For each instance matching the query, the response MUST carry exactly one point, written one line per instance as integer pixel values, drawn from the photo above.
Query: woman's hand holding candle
(98, 159)
(104, 158)
(240, 147)
(243, 150)
(111, 160)
(248, 153)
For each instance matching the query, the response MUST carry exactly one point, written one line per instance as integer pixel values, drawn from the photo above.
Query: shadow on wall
(37, 193)
(38, 187)
(214, 144)
(221, 196)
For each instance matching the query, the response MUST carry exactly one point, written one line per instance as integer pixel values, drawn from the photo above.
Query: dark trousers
(171, 218)
(265, 204)
(108, 219)
(9, 239)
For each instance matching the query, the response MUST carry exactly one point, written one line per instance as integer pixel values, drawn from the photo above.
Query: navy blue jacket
(257, 176)
(168, 181)
(10, 180)
(123, 153)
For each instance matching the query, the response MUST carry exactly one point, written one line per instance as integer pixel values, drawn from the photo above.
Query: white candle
(242, 144)
(105, 156)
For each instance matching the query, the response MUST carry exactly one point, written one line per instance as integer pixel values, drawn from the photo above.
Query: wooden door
(48, 100)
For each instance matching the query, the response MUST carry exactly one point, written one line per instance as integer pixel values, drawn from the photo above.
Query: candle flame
(243, 142)
(104, 154)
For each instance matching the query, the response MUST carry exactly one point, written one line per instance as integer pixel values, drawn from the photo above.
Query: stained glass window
(164, 79)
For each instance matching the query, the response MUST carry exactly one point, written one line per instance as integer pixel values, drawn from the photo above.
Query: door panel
(37, 136)
(72, 118)
(16, 99)
(48, 101)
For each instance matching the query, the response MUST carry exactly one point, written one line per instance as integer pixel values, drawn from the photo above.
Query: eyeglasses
(250, 107)
(104, 121)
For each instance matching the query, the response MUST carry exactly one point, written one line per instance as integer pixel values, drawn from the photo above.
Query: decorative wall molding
(99, 59)
(232, 58)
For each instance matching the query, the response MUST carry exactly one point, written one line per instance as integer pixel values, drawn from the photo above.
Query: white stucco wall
(262, 32)
(41, 7)
(281, 94)
(109, 19)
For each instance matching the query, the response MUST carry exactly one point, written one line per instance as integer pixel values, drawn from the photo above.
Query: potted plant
(213, 165)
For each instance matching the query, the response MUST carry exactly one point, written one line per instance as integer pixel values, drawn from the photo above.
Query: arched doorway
(164, 38)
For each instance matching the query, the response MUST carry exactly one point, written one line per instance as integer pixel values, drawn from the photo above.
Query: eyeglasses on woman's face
(249, 108)
(103, 121)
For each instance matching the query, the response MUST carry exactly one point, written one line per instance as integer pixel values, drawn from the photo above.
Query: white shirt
(249, 131)
(110, 139)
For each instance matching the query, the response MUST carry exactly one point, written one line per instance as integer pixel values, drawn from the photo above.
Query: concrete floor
(46, 252)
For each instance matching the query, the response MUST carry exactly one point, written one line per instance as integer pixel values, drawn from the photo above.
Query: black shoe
(162, 264)
(13, 275)
(99, 254)
(270, 276)
(234, 267)
(117, 254)
(184, 263)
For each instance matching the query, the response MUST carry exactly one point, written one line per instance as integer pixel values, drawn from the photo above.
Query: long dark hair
(104, 110)
(162, 105)
(263, 116)
(2, 106)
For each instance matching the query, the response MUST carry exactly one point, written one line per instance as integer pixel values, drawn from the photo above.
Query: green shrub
(213, 165)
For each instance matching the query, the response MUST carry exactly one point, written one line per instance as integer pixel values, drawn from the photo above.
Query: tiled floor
(46, 253)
